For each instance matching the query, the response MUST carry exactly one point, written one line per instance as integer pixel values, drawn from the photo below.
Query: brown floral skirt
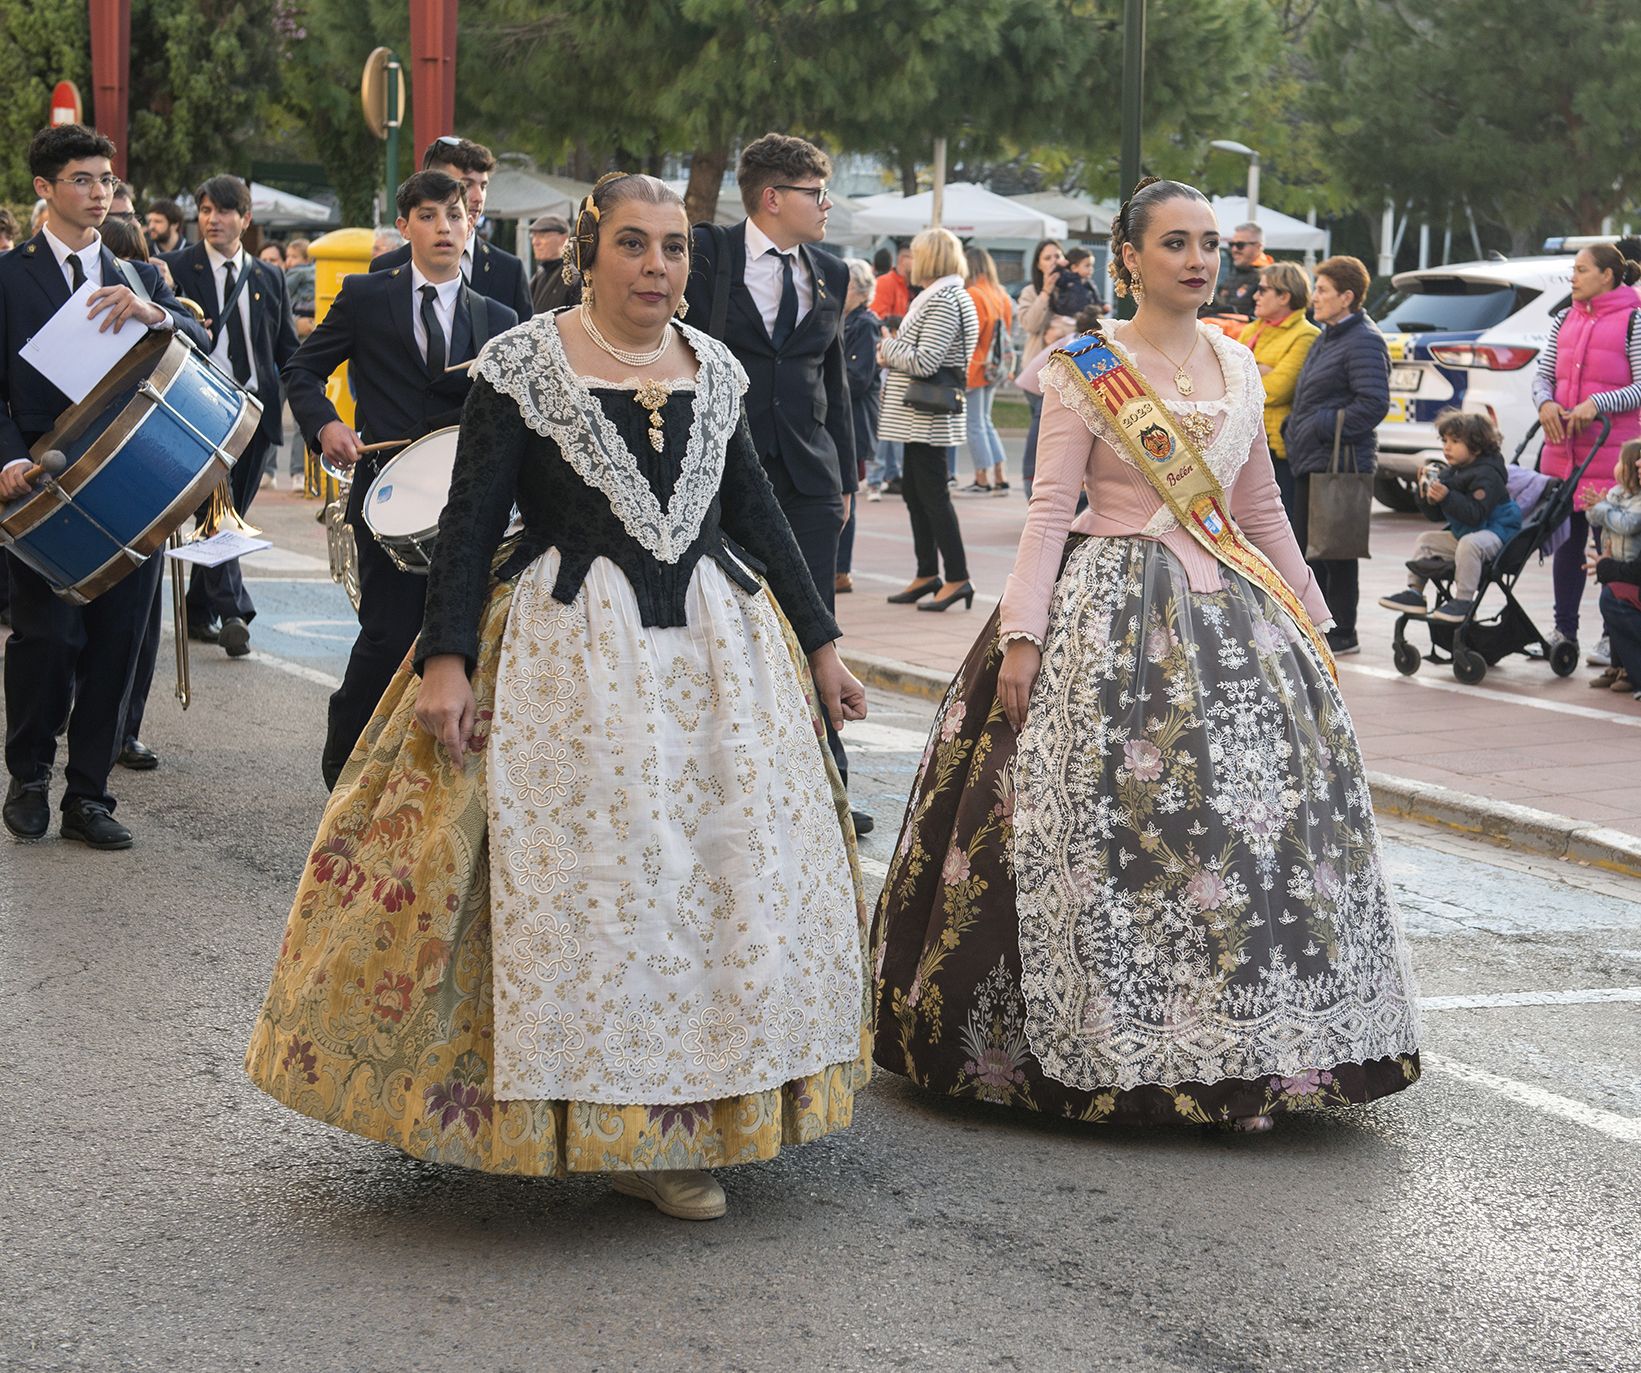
(1151, 824)
(379, 1020)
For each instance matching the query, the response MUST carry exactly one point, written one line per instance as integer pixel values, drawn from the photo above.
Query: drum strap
(133, 279)
(229, 304)
(478, 311)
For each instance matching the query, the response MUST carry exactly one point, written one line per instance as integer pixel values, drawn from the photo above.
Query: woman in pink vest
(1592, 366)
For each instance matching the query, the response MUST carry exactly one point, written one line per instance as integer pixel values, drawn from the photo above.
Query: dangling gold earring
(1139, 288)
(586, 289)
(683, 308)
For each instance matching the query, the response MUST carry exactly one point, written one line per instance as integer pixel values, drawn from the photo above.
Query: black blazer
(497, 275)
(798, 400)
(368, 326)
(273, 332)
(32, 289)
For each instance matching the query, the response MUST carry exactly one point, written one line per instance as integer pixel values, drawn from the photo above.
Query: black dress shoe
(205, 634)
(90, 823)
(27, 811)
(138, 757)
(915, 592)
(235, 636)
(864, 824)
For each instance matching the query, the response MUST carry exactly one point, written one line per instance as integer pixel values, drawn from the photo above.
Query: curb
(1498, 822)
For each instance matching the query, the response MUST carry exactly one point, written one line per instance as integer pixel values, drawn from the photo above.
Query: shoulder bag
(1341, 505)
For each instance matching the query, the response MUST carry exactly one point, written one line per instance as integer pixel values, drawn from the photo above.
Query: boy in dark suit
(252, 337)
(399, 331)
(778, 304)
(492, 272)
(65, 663)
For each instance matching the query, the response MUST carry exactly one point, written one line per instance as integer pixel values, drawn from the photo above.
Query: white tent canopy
(281, 209)
(519, 194)
(1083, 216)
(969, 211)
(1281, 231)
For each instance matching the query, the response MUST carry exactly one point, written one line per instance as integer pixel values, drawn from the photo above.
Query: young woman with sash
(1139, 879)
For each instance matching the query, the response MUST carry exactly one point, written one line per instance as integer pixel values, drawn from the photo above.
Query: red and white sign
(66, 107)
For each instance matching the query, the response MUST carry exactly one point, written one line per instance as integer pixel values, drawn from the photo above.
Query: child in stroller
(1462, 637)
(1472, 494)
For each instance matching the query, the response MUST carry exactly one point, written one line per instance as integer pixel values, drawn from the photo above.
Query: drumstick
(51, 464)
(385, 443)
(461, 366)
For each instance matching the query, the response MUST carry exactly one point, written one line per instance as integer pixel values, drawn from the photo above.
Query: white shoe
(687, 1194)
(874, 493)
(1601, 654)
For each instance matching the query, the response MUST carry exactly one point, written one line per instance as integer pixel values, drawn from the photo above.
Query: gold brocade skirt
(378, 1019)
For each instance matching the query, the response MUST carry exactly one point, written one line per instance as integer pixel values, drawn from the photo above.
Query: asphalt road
(159, 1213)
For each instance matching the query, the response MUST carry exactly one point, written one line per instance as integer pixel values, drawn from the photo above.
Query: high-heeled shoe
(964, 593)
(915, 592)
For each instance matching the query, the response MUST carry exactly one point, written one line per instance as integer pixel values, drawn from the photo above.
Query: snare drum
(143, 450)
(403, 504)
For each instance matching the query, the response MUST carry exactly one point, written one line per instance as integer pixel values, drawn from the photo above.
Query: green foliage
(1522, 109)
(202, 72)
(42, 42)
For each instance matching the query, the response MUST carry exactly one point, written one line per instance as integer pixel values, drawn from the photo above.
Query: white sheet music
(218, 549)
(71, 354)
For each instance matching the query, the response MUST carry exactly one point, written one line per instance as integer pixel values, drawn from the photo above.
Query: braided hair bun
(1135, 218)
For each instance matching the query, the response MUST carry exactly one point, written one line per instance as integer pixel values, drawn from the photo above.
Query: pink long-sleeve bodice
(1074, 453)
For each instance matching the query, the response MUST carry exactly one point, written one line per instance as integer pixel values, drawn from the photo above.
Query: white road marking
(315, 629)
(307, 674)
(1434, 683)
(278, 559)
(1593, 996)
(1626, 1129)
(869, 737)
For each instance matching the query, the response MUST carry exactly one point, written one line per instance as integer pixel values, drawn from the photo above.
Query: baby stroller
(1478, 642)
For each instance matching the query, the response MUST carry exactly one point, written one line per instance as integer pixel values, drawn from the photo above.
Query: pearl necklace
(621, 354)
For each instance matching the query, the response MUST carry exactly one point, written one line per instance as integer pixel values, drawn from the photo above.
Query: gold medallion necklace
(652, 395)
(1182, 379)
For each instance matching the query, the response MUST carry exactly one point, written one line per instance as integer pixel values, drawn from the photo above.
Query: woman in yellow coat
(1280, 336)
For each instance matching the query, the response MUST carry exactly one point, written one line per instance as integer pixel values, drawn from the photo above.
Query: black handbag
(940, 394)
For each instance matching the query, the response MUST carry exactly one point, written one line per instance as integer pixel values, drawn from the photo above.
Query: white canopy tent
(516, 193)
(281, 210)
(1281, 231)
(1084, 218)
(969, 211)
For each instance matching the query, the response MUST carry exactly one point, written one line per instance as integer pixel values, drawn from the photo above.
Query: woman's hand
(842, 696)
(1582, 416)
(1022, 661)
(1550, 417)
(445, 707)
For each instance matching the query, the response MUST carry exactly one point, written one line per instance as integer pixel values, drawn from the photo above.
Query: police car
(1466, 336)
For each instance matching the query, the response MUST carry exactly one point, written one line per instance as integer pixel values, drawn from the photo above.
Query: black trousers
(817, 522)
(75, 665)
(935, 533)
(391, 603)
(147, 657)
(1339, 578)
(219, 593)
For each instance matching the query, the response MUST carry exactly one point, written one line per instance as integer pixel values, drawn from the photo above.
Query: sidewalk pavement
(1524, 757)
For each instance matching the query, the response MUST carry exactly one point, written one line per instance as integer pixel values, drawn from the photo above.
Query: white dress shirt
(763, 278)
(219, 354)
(91, 258)
(444, 308)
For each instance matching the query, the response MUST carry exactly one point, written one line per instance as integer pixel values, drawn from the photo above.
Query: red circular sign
(65, 104)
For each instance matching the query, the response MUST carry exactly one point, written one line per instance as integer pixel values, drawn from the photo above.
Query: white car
(1467, 336)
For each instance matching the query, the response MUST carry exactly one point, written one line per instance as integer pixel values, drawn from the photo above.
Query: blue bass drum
(138, 456)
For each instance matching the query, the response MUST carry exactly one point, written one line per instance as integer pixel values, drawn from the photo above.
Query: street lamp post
(1133, 94)
(1227, 145)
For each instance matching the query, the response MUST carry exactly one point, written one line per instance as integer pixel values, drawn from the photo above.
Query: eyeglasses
(819, 192)
(1262, 288)
(82, 182)
(1242, 243)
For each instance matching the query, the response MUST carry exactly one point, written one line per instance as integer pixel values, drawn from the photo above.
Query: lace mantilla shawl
(1244, 406)
(528, 364)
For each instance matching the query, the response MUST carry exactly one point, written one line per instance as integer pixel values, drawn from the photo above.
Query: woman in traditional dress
(586, 898)
(1139, 878)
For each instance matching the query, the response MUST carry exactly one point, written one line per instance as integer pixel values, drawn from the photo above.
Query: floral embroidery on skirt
(379, 1018)
(1163, 901)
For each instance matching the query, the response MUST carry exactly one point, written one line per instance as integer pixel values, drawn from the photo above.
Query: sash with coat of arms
(1176, 468)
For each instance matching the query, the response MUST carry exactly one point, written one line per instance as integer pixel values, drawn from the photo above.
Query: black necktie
(76, 271)
(435, 335)
(239, 354)
(786, 317)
